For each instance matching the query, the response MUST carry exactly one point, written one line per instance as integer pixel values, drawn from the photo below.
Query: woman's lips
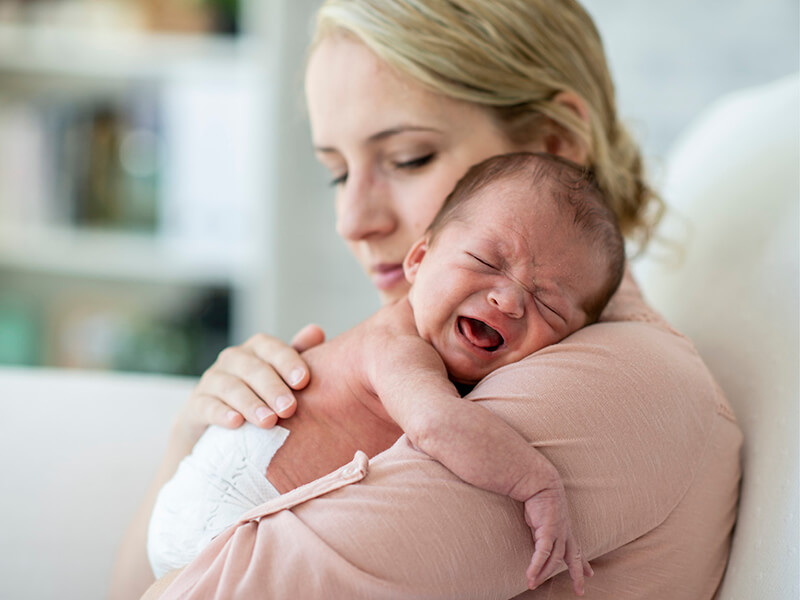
(386, 276)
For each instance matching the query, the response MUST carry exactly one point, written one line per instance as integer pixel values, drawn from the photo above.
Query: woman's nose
(363, 209)
(508, 299)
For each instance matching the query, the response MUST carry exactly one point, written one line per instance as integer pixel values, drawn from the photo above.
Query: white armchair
(735, 178)
(77, 452)
(78, 449)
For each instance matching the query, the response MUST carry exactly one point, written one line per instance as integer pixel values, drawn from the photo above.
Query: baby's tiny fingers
(578, 566)
(575, 565)
(553, 564)
(541, 554)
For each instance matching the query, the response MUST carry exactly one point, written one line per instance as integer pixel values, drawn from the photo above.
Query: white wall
(669, 60)
(316, 279)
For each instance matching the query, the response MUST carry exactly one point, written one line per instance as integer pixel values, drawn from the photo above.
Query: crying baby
(523, 253)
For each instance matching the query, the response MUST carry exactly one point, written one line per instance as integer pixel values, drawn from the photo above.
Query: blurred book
(208, 184)
(25, 171)
(20, 333)
(83, 163)
(186, 344)
(181, 16)
(97, 333)
(109, 165)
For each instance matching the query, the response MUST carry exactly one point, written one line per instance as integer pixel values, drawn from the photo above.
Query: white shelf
(213, 93)
(60, 51)
(116, 256)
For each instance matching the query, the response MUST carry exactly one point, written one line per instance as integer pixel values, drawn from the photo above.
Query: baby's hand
(553, 542)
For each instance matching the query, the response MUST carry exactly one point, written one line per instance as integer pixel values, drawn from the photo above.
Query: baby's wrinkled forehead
(514, 200)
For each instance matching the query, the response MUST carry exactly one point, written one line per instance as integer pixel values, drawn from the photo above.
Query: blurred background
(159, 199)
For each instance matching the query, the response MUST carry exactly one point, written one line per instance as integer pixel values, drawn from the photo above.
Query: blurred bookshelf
(129, 182)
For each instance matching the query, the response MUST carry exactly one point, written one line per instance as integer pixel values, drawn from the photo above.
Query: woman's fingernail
(296, 376)
(283, 402)
(232, 415)
(262, 413)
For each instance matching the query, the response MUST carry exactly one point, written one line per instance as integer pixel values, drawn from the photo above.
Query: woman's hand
(251, 382)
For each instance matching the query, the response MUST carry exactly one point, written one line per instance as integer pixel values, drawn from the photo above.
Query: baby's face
(506, 279)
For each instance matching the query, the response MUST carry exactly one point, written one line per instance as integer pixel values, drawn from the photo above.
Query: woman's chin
(394, 293)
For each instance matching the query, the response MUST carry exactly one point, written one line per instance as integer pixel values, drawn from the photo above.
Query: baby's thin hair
(573, 186)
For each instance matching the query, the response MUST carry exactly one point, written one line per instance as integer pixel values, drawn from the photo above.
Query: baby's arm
(479, 447)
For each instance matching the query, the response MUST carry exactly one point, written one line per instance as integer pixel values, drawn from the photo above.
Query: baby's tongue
(480, 334)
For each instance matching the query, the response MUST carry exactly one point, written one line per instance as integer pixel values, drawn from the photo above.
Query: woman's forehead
(350, 90)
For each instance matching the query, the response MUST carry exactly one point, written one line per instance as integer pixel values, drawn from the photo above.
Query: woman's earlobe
(573, 102)
(563, 142)
(414, 258)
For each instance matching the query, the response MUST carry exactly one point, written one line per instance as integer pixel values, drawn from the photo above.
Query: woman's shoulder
(629, 413)
(628, 305)
(630, 380)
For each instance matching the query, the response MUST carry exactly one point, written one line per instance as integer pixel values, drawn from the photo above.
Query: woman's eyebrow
(382, 135)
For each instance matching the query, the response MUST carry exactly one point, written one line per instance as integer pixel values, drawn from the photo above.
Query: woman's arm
(159, 587)
(247, 382)
(131, 573)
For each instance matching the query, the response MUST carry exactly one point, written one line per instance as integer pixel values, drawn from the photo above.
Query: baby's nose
(509, 300)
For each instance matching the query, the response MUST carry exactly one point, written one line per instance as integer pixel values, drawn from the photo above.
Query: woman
(403, 97)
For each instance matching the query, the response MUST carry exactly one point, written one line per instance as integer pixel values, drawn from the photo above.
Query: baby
(523, 253)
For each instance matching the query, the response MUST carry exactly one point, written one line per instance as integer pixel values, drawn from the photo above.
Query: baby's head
(523, 253)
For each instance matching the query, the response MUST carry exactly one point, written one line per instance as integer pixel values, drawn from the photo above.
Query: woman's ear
(564, 143)
(414, 258)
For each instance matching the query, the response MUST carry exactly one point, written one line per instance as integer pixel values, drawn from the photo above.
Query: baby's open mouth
(480, 334)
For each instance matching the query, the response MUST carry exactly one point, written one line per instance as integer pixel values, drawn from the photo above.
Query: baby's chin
(463, 377)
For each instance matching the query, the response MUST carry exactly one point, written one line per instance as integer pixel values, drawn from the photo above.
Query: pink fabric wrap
(646, 445)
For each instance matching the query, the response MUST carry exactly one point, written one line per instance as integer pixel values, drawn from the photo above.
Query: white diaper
(223, 477)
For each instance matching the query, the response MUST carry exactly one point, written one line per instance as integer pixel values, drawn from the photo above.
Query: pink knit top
(645, 442)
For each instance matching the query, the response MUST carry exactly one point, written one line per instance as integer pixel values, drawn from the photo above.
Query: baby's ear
(414, 258)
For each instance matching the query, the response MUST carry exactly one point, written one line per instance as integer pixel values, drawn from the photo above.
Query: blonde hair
(512, 57)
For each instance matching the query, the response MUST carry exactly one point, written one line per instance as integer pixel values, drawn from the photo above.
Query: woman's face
(394, 151)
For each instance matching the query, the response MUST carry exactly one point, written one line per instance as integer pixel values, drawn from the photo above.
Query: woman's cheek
(358, 251)
(428, 201)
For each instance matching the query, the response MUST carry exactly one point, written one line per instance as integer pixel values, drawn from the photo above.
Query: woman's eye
(415, 163)
(338, 180)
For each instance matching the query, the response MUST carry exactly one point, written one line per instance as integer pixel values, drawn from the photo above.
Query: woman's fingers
(216, 412)
(243, 390)
(286, 361)
(308, 337)
(251, 382)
